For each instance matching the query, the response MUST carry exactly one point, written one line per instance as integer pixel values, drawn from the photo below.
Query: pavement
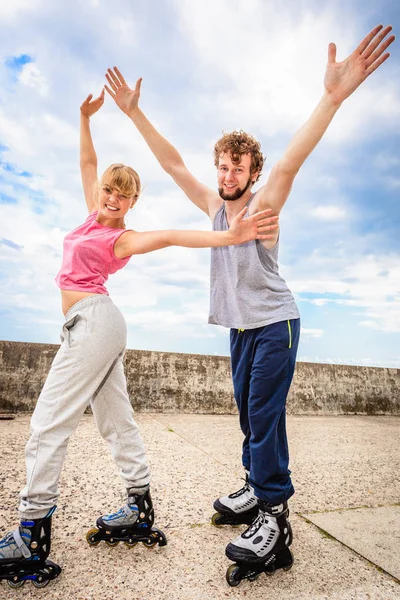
(345, 513)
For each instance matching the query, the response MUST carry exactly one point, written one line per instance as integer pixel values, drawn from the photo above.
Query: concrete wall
(193, 383)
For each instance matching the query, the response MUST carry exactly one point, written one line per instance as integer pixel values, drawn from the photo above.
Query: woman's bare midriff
(69, 298)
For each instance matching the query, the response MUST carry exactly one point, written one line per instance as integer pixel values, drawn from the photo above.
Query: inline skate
(24, 552)
(263, 547)
(237, 508)
(131, 524)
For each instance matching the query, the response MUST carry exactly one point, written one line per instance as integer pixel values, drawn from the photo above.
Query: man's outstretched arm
(169, 158)
(341, 80)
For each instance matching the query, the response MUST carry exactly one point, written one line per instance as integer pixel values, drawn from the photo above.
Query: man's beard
(237, 194)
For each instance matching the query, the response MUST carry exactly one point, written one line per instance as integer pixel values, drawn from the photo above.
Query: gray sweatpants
(88, 368)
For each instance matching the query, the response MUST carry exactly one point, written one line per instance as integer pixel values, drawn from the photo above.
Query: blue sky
(207, 67)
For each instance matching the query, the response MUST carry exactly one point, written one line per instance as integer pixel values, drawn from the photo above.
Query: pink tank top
(88, 257)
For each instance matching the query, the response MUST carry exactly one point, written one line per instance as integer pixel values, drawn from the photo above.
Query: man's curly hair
(238, 143)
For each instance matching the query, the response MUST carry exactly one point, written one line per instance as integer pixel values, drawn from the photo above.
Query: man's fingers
(120, 76)
(138, 85)
(376, 41)
(380, 50)
(109, 91)
(370, 36)
(112, 84)
(113, 78)
(332, 53)
(377, 64)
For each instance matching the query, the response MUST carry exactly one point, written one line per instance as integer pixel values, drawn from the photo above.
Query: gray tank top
(246, 288)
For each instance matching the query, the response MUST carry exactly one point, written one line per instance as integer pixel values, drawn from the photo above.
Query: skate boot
(131, 524)
(263, 547)
(23, 554)
(237, 508)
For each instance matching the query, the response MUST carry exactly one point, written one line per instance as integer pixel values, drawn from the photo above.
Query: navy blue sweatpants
(263, 361)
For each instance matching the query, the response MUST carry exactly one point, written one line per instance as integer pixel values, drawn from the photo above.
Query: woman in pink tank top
(88, 368)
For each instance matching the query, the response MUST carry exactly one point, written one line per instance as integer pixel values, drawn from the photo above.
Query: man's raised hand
(343, 78)
(125, 98)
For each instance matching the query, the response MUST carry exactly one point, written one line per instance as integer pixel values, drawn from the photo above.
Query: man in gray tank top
(249, 296)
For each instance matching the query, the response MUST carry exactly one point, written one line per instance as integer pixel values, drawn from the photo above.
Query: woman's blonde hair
(122, 178)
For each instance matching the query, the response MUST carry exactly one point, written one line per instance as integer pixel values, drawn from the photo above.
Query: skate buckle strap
(26, 553)
(275, 510)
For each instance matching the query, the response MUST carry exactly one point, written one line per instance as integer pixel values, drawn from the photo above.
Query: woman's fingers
(265, 227)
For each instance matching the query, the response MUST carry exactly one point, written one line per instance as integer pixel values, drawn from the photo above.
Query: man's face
(234, 179)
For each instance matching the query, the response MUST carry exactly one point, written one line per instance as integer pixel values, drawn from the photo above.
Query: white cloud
(32, 77)
(274, 86)
(11, 9)
(329, 213)
(371, 324)
(361, 362)
(371, 284)
(307, 333)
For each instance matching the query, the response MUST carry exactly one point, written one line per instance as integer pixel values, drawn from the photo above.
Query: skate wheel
(112, 543)
(270, 573)
(232, 575)
(40, 584)
(215, 520)
(15, 584)
(130, 544)
(150, 543)
(90, 537)
(254, 577)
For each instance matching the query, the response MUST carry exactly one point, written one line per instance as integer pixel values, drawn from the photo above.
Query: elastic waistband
(86, 302)
(257, 329)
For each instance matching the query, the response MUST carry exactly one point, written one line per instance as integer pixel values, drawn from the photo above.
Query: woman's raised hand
(125, 98)
(89, 106)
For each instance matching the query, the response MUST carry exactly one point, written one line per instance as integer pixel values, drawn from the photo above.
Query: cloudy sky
(207, 67)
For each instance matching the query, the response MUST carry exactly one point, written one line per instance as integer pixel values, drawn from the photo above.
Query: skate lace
(7, 540)
(121, 512)
(243, 490)
(255, 526)
(10, 539)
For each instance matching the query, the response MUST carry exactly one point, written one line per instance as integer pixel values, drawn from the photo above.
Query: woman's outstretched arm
(260, 226)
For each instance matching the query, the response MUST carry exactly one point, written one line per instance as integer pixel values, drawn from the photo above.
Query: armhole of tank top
(259, 244)
(115, 241)
(249, 201)
(221, 208)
